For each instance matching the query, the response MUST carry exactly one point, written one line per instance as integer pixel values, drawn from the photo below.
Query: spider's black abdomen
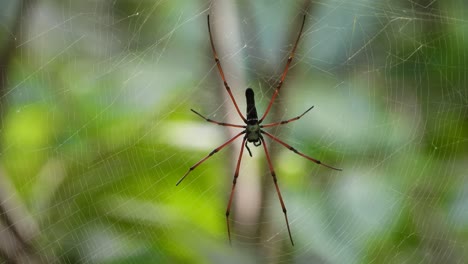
(252, 117)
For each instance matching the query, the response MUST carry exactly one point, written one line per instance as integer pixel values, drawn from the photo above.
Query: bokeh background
(96, 129)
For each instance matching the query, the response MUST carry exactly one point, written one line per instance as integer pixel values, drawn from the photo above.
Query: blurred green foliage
(96, 131)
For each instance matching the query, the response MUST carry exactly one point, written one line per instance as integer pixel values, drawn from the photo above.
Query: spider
(253, 131)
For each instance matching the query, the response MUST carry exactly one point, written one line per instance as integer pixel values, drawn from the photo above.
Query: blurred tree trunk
(279, 251)
(253, 189)
(246, 201)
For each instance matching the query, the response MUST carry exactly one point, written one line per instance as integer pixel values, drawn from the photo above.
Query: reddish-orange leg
(286, 121)
(252, 131)
(275, 180)
(209, 155)
(216, 122)
(297, 152)
(283, 76)
(221, 72)
(234, 181)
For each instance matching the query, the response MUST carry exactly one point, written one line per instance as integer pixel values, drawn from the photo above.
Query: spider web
(97, 129)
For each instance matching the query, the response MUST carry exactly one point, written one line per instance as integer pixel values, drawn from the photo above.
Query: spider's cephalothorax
(253, 131)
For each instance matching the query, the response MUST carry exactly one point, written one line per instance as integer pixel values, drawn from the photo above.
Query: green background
(96, 129)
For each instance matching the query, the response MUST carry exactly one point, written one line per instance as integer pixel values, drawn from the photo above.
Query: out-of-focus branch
(15, 247)
(246, 202)
(276, 113)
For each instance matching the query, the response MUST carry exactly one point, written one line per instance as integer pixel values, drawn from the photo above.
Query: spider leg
(286, 121)
(220, 69)
(297, 152)
(283, 76)
(216, 122)
(275, 180)
(236, 174)
(209, 155)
